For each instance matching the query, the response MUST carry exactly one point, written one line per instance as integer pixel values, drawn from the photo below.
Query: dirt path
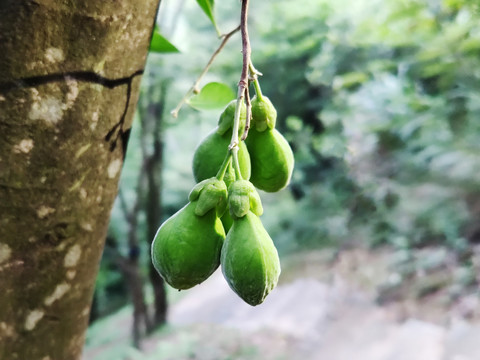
(307, 317)
(332, 322)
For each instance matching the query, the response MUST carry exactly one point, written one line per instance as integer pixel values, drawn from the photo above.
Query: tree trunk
(131, 270)
(154, 218)
(69, 78)
(141, 321)
(153, 168)
(151, 108)
(131, 267)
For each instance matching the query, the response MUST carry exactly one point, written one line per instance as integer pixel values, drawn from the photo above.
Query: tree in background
(146, 202)
(69, 80)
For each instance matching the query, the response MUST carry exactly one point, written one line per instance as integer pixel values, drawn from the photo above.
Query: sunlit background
(378, 232)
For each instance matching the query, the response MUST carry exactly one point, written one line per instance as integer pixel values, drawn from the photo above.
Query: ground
(333, 305)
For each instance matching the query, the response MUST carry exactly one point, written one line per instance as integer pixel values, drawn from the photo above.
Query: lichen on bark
(69, 77)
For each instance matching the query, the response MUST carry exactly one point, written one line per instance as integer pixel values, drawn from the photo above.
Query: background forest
(380, 102)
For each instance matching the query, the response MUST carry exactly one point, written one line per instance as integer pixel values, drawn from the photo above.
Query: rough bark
(69, 78)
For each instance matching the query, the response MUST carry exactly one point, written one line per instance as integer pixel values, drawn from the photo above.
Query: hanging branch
(246, 50)
(242, 86)
(194, 87)
(249, 113)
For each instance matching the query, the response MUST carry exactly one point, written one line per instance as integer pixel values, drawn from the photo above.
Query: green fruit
(227, 221)
(186, 249)
(242, 198)
(264, 114)
(211, 152)
(249, 260)
(210, 194)
(227, 117)
(271, 160)
(228, 178)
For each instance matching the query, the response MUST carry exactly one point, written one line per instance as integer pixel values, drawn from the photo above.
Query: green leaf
(207, 7)
(214, 95)
(161, 45)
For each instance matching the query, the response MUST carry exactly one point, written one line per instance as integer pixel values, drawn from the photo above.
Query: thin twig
(242, 84)
(226, 37)
(246, 50)
(249, 113)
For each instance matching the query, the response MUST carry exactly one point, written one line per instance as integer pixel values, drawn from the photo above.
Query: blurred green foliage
(380, 101)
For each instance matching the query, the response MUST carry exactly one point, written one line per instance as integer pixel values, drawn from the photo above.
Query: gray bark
(69, 78)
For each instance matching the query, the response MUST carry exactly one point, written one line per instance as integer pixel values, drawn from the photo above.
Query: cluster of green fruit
(191, 244)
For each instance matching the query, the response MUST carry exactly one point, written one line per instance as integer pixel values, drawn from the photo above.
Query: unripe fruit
(271, 160)
(211, 152)
(242, 198)
(227, 221)
(228, 178)
(227, 117)
(191, 244)
(250, 262)
(264, 114)
(210, 194)
(186, 249)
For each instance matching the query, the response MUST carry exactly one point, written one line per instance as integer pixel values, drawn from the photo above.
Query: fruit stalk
(223, 168)
(248, 114)
(258, 90)
(242, 85)
(246, 49)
